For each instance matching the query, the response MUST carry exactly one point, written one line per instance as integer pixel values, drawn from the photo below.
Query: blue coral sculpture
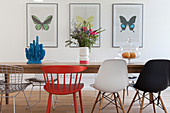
(35, 53)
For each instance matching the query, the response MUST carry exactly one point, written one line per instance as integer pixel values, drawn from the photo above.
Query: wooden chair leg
(123, 96)
(141, 107)
(101, 103)
(121, 103)
(112, 95)
(163, 104)
(95, 101)
(138, 96)
(150, 98)
(49, 103)
(153, 103)
(133, 82)
(75, 102)
(116, 103)
(81, 105)
(127, 90)
(132, 101)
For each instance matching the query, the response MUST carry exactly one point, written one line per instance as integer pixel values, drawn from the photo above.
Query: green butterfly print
(42, 25)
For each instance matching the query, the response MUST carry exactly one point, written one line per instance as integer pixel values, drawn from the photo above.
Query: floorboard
(65, 103)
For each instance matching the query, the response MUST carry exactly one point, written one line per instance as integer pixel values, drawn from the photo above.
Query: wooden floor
(65, 104)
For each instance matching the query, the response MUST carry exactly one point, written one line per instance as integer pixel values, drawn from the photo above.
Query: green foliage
(83, 22)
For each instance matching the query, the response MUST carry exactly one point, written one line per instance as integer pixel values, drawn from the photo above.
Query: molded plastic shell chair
(153, 78)
(61, 87)
(112, 77)
(11, 81)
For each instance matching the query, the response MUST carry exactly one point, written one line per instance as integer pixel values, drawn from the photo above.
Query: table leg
(6, 87)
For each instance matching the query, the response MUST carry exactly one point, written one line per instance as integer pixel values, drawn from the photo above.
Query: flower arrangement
(82, 33)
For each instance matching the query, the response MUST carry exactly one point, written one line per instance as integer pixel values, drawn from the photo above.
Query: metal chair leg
(26, 100)
(54, 103)
(30, 97)
(40, 92)
(29, 106)
(31, 92)
(1, 103)
(13, 104)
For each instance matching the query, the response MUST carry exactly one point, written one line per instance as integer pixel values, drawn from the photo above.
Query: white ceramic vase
(84, 55)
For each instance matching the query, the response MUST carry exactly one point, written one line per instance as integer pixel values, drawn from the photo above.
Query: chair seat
(60, 89)
(132, 77)
(107, 91)
(11, 88)
(36, 80)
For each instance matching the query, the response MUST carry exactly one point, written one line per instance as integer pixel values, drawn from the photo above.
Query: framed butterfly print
(42, 21)
(127, 22)
(89, 12)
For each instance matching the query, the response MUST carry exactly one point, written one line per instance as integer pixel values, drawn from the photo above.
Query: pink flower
(84, 27)
(93, 32)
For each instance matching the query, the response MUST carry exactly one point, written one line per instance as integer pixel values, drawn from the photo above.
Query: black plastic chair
(153, 79)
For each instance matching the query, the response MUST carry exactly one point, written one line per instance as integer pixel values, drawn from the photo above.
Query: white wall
(156, 35)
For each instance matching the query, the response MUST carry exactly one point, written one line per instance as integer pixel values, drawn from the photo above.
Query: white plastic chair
(112, 77)
(132, 78)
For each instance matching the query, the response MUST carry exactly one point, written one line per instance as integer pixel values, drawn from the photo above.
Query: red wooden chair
(65, 85)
